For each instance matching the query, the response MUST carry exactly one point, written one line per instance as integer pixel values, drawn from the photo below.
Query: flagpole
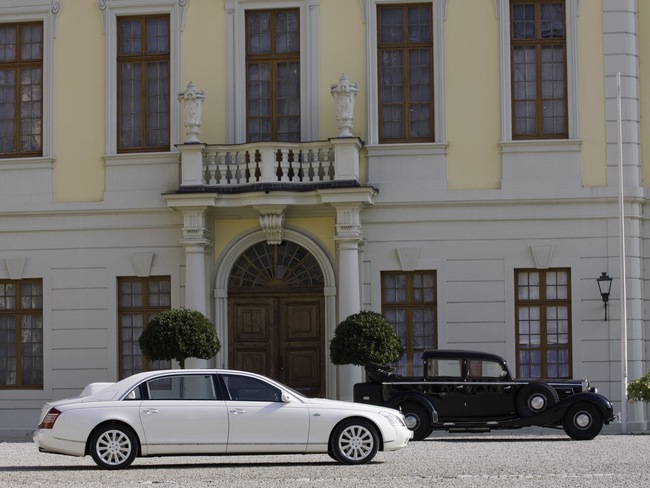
(621, 219)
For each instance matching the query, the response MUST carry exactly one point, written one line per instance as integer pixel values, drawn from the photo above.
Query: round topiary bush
(639, 389)
(179, 334)
(365, 337)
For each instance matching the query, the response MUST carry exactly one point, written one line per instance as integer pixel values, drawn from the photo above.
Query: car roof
(461, 353)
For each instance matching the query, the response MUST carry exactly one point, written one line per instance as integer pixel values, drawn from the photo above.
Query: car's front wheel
(113, 446)
(582, 421)
(354, 441)
(417, 420)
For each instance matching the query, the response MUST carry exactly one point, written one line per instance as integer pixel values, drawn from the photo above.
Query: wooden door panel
(280, 337)
(253, 360)
(303, 370)
(251, 320)
(252, 341)
(301, 344)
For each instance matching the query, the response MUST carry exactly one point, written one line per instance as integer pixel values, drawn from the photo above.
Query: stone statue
(192, 100)
(344, 94)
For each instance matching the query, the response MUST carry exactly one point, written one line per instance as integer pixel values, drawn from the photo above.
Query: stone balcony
(236, 168)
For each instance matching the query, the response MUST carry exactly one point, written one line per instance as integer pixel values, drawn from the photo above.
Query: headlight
(394, 419)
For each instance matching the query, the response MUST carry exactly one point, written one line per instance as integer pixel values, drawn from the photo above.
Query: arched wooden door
(275, 314)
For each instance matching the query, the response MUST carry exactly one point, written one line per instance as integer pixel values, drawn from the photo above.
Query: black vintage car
(468, 391)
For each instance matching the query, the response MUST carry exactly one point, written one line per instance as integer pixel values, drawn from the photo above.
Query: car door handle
(237, 410)
(150, 410)
(460, 387)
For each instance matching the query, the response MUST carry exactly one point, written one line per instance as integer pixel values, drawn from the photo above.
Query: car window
(182, 387)
(244, 388)
(449, 368)
(478, 368)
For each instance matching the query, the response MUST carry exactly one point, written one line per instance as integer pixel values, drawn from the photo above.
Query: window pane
(143, 83)
(130, 33)
(21, 333)
(21, 89)
(273, 75)
(405, 53)
(259, 32)
(390, 25)
(408, 303)
(157, 36)
(538, 70)
(8, 43)
(139, 300)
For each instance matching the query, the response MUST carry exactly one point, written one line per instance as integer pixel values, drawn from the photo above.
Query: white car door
(260, 421)
(182, 415)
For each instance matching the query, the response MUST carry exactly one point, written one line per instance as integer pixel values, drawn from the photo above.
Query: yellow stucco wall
(342, 50)
(322, 229)
(472, 96)
(203, 61)
(79, 103)
(472, 90)
(591, 89)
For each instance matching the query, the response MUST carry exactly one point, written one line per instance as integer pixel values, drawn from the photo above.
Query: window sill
(141, 158)
(26, 163)
(408, 149)
(540, 145)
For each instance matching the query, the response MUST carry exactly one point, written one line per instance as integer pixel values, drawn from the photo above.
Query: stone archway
(225, 268)
(275, 316)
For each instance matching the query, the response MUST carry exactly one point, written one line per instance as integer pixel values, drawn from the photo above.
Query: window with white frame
(27, 29)
(405, 42)
(142, 56)
(543, 323)
(272, 70)
(539, 68)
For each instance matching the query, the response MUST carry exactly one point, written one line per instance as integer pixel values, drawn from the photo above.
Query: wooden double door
(280, 337)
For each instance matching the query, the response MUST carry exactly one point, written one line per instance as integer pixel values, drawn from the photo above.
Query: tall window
(543, 316)
(143, 83)
(21, 89)
(539, 72)
(409, 303)
(405, 62)
(272, 75)
(140, 299)
(21, 334)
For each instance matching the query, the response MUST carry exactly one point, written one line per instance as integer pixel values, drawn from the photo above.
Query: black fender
(554, 413)
(417, 397)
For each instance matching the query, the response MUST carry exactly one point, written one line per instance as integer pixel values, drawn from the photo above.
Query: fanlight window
(287, 265)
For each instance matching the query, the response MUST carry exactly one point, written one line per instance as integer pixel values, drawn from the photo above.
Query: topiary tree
(365, 337)
(179, 334)
(639, 389)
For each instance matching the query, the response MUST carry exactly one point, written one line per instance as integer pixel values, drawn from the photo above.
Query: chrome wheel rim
(537, 402)
(582, 420)
(113, 447)
(412, 421)
(356, 442)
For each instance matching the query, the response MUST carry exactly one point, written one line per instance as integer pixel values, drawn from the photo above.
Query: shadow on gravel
(138, 467)
(497, 439)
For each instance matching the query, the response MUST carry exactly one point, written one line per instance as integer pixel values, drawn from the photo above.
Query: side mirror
(286, 398)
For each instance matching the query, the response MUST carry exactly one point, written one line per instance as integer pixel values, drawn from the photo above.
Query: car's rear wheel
(535, 398)
(354, 441)
(417, 420)
(113, 446)
(582, 421)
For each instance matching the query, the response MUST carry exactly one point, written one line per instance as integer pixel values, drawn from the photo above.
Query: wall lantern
(604, 285)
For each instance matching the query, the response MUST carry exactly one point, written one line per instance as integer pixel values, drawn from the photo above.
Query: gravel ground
(444, 460)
